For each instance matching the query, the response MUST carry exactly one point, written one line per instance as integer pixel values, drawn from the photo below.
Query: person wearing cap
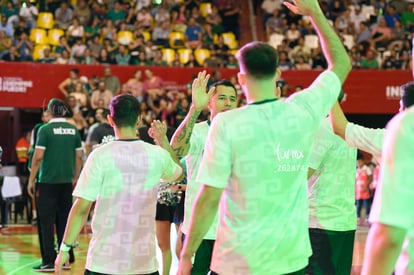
(56, 163)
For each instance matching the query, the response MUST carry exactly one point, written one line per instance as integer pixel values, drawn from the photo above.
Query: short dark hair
(75, 70)
(57, 108)
(223, 82)
(258, 59)
(407, 97)
(125, 110)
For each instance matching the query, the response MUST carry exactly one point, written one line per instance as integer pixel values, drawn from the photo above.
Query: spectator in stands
(381, 34)
(230, 18)
(269, 7)
(142, 59)
(75, 31)
(11, 55)
(140, 4)
(130, 19)
(147, 115)
(273, 24)
(95, 46)
(301, 63)
(178, 19)
(212, 61)
(176, 62)
(5, 42)
(391, 16)
(102, 93)
(343, 22)
(29, 12)
(63, 15)
(337, 8)
(88, 57)
(305, 28)
(104, 57)
(284, 61)
(191, 4)
(398, 34)
(392, 61)
(116, 14)
(162, 14)
(24, 47)
(195, 13)
(318, 60)
(192, 62)
(68, 85)
(78, 50)
(82, 12)
(158, 59)
(214, 19)
(81, 95)
(122, 57)
(47, 57)
(6, 26)
(11, 12)
(109, 30)
(357, 17)
(208, 37)
(93, 29)
(161, 34)
(363, 33)
(78, 119)
(221, 50)
(111, 81)
(153, 85)
(144, 19)
(300, 50)
(21, 28)
(232, 62)
(136, 85)
(292, 35)
(63, 45)
(370, 61)
(193, 34)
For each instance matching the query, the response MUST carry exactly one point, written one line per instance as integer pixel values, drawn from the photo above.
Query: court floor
(19, 251)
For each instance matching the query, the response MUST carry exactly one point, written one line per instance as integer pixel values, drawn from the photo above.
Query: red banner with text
(31, 85)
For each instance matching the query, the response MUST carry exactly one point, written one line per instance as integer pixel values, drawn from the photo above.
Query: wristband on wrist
(64, 247)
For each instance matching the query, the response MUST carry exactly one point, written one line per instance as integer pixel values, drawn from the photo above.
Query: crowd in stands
(197, 33)
(191, 33)
(376, 33)
(88, 100)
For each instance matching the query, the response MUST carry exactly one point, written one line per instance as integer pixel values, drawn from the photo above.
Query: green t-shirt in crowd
(60, 140)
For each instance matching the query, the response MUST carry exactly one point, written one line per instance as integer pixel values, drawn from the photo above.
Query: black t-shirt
(101, 131)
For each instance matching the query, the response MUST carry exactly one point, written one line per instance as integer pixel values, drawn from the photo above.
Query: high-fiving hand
(303, 7)
(199, 95)
(158, 131)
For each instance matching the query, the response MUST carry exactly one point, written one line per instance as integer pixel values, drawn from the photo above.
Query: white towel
(11, 187)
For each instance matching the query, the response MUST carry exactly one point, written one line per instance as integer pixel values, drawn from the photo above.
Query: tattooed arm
(181, 140)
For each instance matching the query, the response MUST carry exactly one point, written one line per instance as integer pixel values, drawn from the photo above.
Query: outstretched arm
(338, 120)
(181, 140)
(77, 218)
(332, 47)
